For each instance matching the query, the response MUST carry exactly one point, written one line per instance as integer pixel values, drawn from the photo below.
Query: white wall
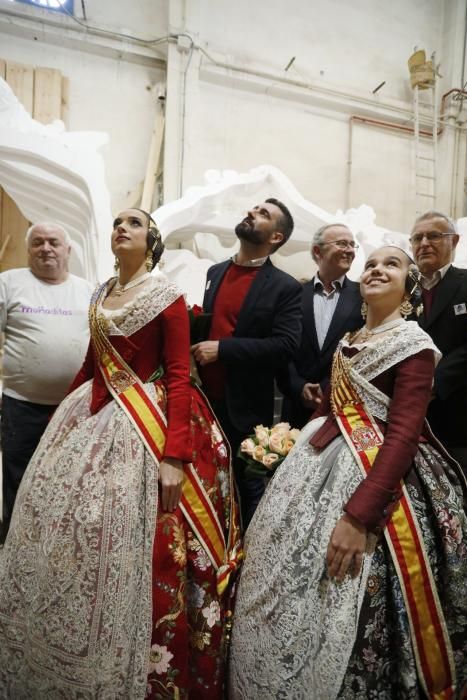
(242, 129)
(355, 44)
(106, 92)
(243, 109)
(231, 104)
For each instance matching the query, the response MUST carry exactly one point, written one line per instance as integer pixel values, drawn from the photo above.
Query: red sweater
(164, 341)
(229, 300)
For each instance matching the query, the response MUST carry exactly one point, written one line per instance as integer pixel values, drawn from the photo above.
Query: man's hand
(312, 395)
(346, 548)
(206, 352)
(171, 479)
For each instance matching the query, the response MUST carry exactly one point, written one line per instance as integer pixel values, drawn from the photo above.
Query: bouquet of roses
(267, 448)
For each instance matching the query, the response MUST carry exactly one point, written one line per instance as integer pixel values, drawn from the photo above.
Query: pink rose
(269, 459)
(248, 446)
(293, 434)
(258, 453)
(288, 444)
(276, 443)
(262, 435)
(280, 429)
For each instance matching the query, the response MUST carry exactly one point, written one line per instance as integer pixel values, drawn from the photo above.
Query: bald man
(43, 312)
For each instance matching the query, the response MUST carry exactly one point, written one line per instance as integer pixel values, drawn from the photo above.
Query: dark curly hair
(285, 223)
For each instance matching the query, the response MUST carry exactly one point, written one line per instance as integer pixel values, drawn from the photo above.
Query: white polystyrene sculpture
(55, 175)
(202, 223)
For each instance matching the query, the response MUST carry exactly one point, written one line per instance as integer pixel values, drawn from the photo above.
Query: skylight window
(64, 6)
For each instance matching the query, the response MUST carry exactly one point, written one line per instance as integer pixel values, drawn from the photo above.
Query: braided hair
(413, 287)
(154, 239)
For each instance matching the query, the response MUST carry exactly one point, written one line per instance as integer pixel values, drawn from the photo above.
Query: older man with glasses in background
(434, 239)
(331, 306)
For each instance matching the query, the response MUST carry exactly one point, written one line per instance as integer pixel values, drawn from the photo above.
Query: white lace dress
(75, 573)
(294, 628)
(290, 619)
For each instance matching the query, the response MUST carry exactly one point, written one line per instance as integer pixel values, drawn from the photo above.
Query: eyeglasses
(431, 237)
(343, 245)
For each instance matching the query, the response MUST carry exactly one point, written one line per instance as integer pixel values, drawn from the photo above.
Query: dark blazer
(265, 338)
(447, 412)
(312, 364)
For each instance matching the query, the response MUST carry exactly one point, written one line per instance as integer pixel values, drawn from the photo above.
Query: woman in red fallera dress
(114, 580)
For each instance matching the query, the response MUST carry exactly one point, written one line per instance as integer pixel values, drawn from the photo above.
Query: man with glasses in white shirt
(331, 306)
(434, 239)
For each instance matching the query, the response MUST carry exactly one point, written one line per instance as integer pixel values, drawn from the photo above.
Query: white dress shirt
(324, 305)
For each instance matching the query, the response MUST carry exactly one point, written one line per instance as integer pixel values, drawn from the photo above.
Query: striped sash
(150, 424)
(430, 640)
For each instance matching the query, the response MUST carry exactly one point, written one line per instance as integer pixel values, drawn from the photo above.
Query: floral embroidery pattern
(382, 665)
(159, 659)
(185, 585)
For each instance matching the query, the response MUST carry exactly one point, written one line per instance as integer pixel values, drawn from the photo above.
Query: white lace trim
(156, 296)
(294, 628)
(375, 358)
(75, 573)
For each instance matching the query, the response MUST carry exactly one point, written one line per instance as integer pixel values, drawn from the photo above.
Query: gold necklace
(365, 333)
(120, 289)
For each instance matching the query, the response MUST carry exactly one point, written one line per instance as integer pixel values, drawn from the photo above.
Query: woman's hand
(171, 479)
(346, 548)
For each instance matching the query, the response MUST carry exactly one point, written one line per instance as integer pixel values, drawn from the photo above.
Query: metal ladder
(426, 149)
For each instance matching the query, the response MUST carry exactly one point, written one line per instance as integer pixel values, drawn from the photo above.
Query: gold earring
(116, 264)
(148, 263)
(406, 308)
(364, 309)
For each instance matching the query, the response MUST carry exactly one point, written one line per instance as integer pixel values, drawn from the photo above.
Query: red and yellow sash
(151, 425)
(430, 640)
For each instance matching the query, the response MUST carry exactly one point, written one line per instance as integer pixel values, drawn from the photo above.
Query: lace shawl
(154, 298)
(375, 358)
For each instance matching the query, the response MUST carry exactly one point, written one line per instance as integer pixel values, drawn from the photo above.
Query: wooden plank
(65, 111)
(132, 199)
(15, 226)
(153, 160)
(2, 75)
(21, 80)
(47, 104)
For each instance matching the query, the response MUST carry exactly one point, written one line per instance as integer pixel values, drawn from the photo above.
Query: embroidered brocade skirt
(298, 635)
(187, 645)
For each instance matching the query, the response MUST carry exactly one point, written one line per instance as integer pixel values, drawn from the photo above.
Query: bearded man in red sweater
(255, 330)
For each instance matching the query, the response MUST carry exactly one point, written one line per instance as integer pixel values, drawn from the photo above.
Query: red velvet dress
(408, 384)
(187, 656)
(117, 597)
